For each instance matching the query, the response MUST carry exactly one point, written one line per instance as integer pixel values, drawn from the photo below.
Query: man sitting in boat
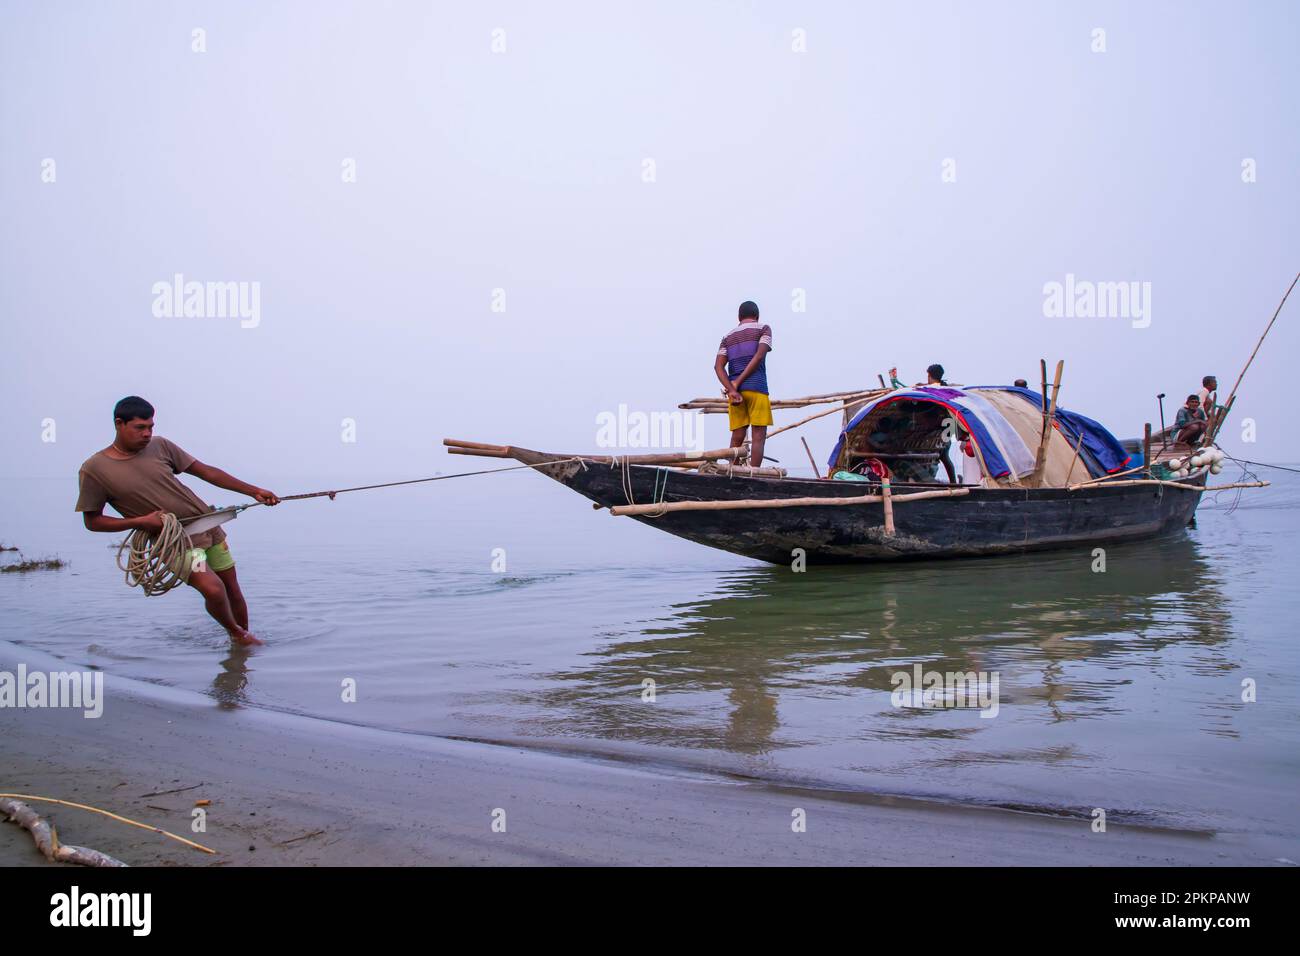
(933, 376)
(741, 367)
(1190, 425)
(932, 418)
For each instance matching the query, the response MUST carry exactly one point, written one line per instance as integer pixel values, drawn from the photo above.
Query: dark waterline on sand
(1119, 690)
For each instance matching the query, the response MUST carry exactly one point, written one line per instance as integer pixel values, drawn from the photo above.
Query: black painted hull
(983, 522)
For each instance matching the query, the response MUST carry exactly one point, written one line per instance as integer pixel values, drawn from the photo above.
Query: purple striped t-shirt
(739, 346)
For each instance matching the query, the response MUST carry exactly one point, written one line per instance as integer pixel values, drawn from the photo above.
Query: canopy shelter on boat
(908, 430)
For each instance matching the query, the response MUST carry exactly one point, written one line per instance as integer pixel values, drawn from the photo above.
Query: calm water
(1119, 689)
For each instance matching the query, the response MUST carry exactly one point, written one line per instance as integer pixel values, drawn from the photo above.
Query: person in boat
(136, 474)
(1190, 424)
(1209, 395)
(741, 367)
(931, 419)
(934, 376)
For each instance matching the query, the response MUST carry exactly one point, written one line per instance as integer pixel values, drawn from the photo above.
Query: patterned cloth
(739, 346)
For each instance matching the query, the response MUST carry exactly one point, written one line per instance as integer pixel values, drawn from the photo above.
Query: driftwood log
(47, 840)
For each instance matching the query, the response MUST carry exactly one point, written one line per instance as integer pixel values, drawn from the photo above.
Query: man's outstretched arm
(222, 479)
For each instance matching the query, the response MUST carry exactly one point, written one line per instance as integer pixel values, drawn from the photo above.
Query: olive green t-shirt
(142, 484)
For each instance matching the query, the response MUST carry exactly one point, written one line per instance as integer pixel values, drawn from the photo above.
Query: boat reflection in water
(794, 671)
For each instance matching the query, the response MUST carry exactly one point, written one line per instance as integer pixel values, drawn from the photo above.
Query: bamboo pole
(1093, 481)
(824, 412)
(462, 444)
(747, 503)
(458, 447)
(709, 401)
(1049, 412)
(480, 452)
(1267, 329)
(1075, 460)
(886, 499)
(1146, 447)
(1176, 484)
(811, 460)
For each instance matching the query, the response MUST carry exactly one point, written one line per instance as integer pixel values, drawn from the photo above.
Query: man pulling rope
(136, 474)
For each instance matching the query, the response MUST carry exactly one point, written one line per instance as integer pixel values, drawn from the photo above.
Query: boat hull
(986, 521)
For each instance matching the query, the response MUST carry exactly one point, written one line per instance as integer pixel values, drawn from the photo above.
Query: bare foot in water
(244, 637)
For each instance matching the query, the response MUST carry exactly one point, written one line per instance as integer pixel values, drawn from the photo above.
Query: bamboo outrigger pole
(838, 408)
(719, 405)
(1231, 395)
(455, 446)
(758, 503)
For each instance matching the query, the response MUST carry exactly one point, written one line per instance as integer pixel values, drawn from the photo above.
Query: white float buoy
(1216, 468)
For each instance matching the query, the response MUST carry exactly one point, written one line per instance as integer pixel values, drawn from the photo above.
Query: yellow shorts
(215, 558)
(756, 410)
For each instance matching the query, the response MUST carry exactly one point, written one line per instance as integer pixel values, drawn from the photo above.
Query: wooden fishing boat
(1022, 501)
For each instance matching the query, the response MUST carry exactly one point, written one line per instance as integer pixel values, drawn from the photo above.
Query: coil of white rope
(158, 565)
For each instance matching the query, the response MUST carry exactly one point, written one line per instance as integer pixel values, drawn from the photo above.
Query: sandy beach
(301, 791)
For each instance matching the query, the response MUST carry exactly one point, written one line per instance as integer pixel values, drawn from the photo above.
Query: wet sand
(289, 790)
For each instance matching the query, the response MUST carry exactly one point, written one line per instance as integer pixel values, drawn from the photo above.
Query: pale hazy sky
(524, 170)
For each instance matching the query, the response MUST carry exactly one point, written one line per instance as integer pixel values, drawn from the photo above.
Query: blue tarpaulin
(1002, 449)
(1097, 439)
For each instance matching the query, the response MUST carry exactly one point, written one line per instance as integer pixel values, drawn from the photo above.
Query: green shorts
(215, 558)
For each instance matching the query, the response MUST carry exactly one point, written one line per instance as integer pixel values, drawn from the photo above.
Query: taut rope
(157, 564)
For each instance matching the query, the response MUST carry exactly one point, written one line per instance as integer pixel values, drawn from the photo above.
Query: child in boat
(1209, 395)
(741, 367)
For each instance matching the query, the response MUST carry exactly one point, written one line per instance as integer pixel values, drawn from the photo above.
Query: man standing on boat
(136, 474)
(741, 367)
